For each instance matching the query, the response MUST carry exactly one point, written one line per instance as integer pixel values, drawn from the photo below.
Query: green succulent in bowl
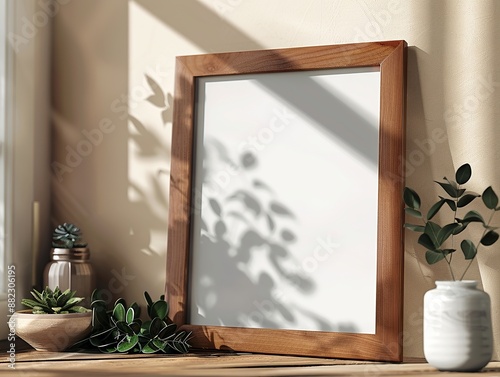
(55, 301)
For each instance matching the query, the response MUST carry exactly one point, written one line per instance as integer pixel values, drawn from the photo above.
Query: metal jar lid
(78, 254)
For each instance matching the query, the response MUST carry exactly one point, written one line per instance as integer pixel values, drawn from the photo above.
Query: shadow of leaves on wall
(239, 229)
(147, 199)
(147, 143)
(245, 255)
(160, 99)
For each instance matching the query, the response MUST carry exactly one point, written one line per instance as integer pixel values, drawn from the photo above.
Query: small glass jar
(71, 268)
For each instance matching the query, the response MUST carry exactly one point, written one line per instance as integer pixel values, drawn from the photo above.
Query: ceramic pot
(457, 326)
(51, 332)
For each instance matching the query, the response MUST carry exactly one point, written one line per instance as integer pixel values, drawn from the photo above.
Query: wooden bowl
(51, 332)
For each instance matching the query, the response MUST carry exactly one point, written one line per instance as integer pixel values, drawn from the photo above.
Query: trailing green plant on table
(67, 236)
(440, 240)
(121, 330)
(55, 301)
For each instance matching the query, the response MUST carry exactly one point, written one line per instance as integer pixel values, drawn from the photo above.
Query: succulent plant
(55, 301)
(67, 236)
(121, 330)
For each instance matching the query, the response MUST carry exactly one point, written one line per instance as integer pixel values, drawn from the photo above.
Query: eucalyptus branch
(455, 213)
(486, 227)
(435, 236)
(449, 266)
(448, 261)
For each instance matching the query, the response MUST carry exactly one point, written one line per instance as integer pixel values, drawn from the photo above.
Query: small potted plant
(457, 315)
(121, 330)
(55, 320)
(70, 253)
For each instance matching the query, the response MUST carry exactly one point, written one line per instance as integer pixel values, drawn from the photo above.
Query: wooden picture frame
(386, 57)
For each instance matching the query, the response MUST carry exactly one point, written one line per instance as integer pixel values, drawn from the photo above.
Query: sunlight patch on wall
(148, 110)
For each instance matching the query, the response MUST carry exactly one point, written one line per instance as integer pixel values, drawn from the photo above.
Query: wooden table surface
(44, 364)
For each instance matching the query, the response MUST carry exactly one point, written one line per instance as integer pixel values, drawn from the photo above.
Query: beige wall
(115, 58)
(25, 148)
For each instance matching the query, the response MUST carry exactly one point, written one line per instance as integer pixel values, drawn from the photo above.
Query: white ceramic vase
(457, 326)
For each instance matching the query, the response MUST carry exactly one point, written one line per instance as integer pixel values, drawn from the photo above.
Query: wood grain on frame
(385, 344)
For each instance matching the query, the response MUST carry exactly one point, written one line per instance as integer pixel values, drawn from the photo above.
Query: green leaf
(446, 232)
(136, 326)
(411, 198)
(413, 212)
(29, 303)
(451, 203)
(127, 343)
(72, 301)
(145, 327)
(96, 295)
(130, 316)
(124, 327)
(454, 186)
(149, 302)
(179, 343)
(472, 217)
(460, 228)
(103, 341)
(466, 199)
(432, 230)
(103, 338)
(433, 256)
(155, 326)
(450, 190)
(167, 331)
(36, 295)
(149, 347)
(415, 228)
(96, 303)
(490, 199)
(137, 310)
(121, 300)
(159, 344)
(119, 312)
(468, 249)
(426, 241)
(434, 209)
(51, 302)
(489, 238)
(64, 297)
(159, 309)
(463, 174)
(100, 317)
